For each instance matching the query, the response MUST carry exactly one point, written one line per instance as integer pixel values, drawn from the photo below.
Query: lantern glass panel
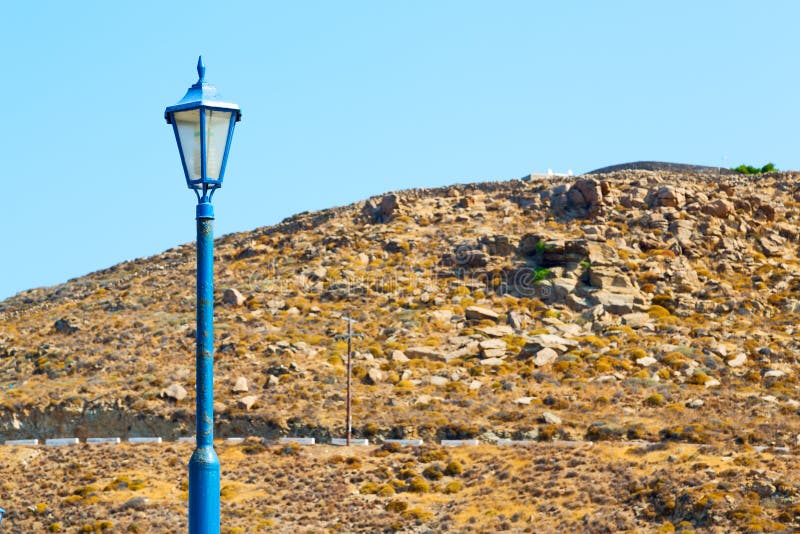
(188, 125)
(217, 125)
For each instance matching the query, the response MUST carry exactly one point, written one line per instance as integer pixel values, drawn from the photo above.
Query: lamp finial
(201, 70)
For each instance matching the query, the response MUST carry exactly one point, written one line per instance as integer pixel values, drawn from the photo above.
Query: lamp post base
(204, 491)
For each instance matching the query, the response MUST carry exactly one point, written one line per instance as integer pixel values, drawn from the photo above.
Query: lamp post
(203, 127)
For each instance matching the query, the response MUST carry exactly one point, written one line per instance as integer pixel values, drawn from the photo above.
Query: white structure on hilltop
(551, 173)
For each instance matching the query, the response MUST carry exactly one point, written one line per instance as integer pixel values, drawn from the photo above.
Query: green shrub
(749, 169)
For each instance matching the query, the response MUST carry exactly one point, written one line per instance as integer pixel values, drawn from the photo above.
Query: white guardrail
(62, 442)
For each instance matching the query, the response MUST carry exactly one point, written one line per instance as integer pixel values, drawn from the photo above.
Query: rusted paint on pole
(204, 468)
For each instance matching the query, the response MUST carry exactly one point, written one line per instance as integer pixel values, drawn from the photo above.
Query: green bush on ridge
(748, 169)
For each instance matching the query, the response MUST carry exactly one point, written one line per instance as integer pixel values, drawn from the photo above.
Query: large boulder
(493, 348)
(765, 212)
(382, 211)
(388, 208)
(620, 301)
(374, 376)
(175, 392)
(476, 313)
(555, 252)
(683, 230)
(585, 198)
(241, 385)
(598, 254)
(498, 245)
(665, 196)
(635, 198)
(247, 402)
(720, 208)
(232, 297)
(608, 278)
(544, 357)
(772, 245)
(467, 254)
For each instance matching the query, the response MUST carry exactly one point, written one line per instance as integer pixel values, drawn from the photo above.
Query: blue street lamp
(203, 127)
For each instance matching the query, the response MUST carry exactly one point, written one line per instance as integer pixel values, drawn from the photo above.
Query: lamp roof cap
(202, 94)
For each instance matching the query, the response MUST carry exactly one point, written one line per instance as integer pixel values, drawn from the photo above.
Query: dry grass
(538, 488)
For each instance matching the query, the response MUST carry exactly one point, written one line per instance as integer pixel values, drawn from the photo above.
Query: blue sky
(343, 100)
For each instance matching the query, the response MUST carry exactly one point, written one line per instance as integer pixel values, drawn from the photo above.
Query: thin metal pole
(349, 374)
(204, 468)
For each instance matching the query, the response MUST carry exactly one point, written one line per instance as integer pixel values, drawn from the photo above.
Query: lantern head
(203, 126)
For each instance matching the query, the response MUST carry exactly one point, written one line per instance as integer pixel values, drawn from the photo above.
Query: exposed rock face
(493, 348)
(665, 196)
(620, 302)
(549, 252)
(382, 211)
(683, 231)
(498, 245)
(603, 282)
(719, 208)
(772, 244)
(467, 254)
(583, 200)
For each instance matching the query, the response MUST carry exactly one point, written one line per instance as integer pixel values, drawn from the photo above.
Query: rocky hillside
(631, 305)
(634, 305)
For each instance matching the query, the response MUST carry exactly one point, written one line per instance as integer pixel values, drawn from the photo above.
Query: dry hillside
(636, 305)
